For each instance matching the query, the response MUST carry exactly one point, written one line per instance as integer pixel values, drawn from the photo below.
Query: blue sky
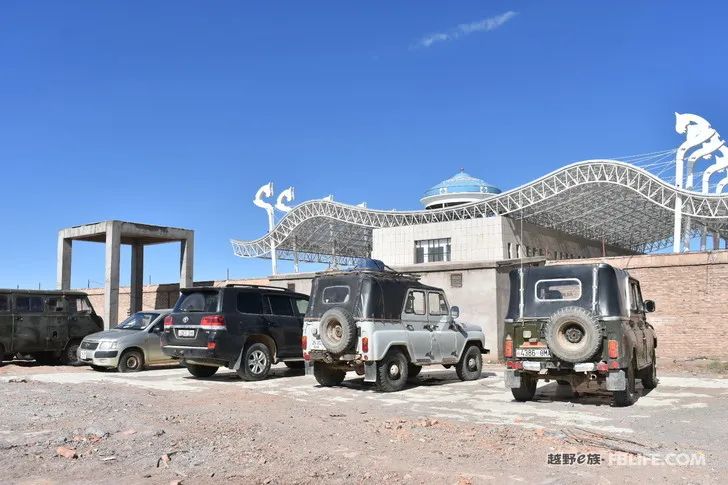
(174, 113)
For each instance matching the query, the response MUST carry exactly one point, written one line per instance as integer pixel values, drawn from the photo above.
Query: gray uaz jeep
(386, 326)
(579, 324)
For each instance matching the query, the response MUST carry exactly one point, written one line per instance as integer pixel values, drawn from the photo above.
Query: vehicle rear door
(192, 306)
(284, 324)
(56, 317)
(30, 333)
(637, 321)
(152, 347)
(6, 324)
(417, 325)
(446, 348)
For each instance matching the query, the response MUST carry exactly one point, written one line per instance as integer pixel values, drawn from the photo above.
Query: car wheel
(392, 371)
(649, 375)
(295, 364)
(471, 364)
(201, 370)
(337, 331)
(131, 361)
(629, 395)
(527, 389)
(413, 371)
(69, 356)
(46, 358)
(256, 362)
(326, 375)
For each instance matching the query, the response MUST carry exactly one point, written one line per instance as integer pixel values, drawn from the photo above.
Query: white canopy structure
(622, 204)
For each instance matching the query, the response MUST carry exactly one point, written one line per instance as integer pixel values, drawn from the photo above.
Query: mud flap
(370, 372)
(236, 367)
(309, 368)
(616, 380)
(513, 381)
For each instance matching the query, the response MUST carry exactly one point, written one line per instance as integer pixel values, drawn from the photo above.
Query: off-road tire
(337, 330)
(131, 361)
(46, 358)
(573, 334)
(470, 365)
(527, 389)
(256, 362)
(201, 371)
(649, 374)
(326, 375)
(629, 395)
(413, 370)
(392, 371)
(69, 355)
(295, 364)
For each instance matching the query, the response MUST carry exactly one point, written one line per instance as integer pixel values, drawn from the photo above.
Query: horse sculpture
(699, 133)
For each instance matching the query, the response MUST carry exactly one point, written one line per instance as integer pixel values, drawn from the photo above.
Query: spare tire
(337, 330)
(573, 334)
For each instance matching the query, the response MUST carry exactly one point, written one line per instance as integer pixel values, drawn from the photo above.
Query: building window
(456, 280)
(518, 251)
(291, 286)
(432, 250)
(510, 254)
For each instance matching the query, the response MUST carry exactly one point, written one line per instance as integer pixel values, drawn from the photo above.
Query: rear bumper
(201, 355)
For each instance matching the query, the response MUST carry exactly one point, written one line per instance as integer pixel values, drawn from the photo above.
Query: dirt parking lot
(162, 426)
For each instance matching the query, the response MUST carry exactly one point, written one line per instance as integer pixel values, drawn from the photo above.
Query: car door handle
(410, 327)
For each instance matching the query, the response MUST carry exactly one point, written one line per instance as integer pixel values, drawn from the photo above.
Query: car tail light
(614, 364)
(304, 342)
(602, 367)
(211, 345)
(168, 321)
(508, 348)
(213, 322)
(514, 364)
(306, 356)
(613, 349)
(365, 344)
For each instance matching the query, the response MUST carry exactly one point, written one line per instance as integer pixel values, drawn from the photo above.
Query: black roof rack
(264, 287)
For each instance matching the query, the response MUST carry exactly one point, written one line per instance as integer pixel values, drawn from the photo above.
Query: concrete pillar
(63, 262)
(137, 277)
(111, 274)
(187, 250)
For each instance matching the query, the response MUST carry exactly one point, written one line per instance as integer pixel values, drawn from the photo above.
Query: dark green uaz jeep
(582, 325)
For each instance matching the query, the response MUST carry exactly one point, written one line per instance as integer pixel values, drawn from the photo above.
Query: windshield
(138, 321)
(198, 301)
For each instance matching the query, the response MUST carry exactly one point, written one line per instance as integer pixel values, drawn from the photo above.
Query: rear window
(567, 289)
(250, 302)
(280, 305)
(28, 304)
(335, 294)
(198, 301)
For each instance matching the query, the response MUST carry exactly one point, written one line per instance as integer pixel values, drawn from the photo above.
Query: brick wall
(691, 294)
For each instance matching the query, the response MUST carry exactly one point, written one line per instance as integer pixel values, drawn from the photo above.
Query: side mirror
(454, 312)
(649, 306)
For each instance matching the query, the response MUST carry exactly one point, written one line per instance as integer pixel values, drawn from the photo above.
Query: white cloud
(485, 25)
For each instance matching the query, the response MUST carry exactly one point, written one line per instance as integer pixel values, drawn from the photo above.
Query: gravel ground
(74, 425)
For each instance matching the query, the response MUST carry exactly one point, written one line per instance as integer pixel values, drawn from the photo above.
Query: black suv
(243, 327)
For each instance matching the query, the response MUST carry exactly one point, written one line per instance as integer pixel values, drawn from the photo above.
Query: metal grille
(89, 345)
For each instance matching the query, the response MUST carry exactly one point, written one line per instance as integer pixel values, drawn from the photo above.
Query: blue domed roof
(462, 183)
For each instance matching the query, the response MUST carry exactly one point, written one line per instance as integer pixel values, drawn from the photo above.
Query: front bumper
(99, 358)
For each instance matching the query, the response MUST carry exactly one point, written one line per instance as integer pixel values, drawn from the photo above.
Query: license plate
(85, 355)
(187, 333)
(539, 352)
(316, 344)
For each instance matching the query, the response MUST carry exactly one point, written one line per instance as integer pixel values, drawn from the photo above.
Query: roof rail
(264, 287)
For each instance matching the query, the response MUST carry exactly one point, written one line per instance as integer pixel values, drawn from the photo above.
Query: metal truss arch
(624, 205)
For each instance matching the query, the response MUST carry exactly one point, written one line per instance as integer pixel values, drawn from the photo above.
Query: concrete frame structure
(113, 234)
